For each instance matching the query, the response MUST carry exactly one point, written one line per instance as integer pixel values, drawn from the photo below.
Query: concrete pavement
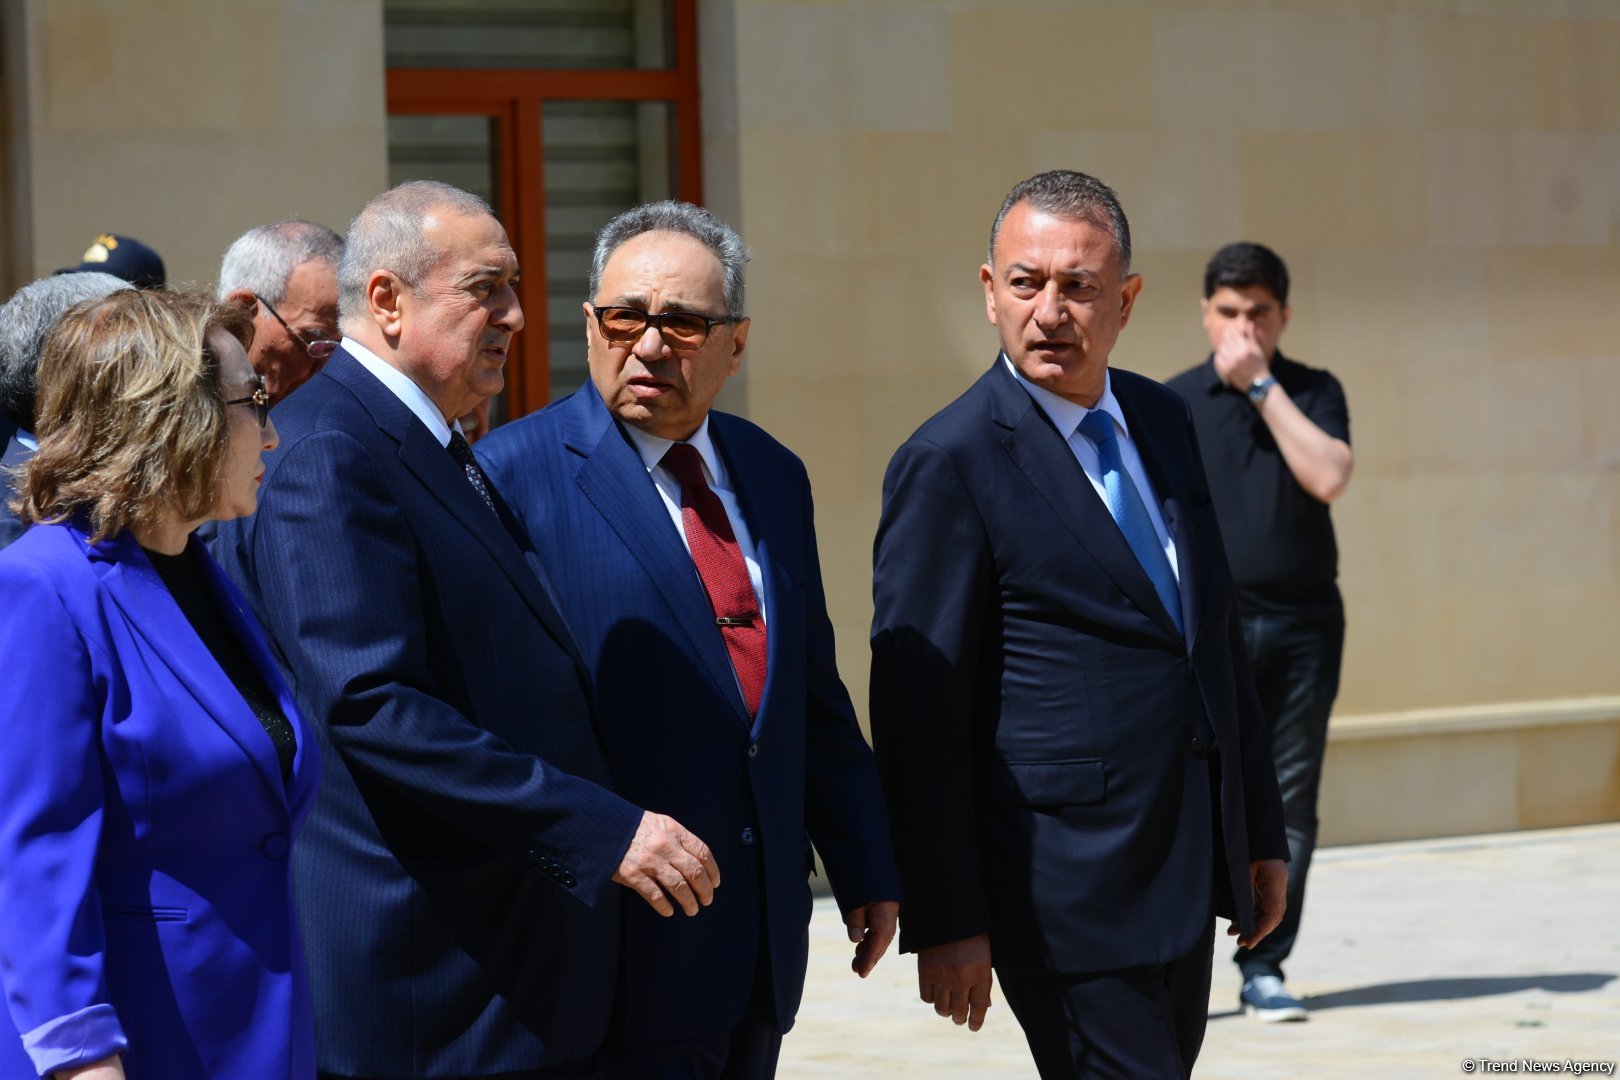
(1414, 957)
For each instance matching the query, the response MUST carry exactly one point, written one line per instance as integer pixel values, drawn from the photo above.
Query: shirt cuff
(79, 1038)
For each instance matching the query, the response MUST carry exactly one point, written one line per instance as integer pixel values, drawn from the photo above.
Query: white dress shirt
(652, 449)
(1066, 416)
(413, 397)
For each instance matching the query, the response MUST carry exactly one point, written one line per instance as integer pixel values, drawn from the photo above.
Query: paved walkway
(1414, 957)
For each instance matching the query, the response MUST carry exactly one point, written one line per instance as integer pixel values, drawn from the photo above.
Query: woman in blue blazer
(153, 766)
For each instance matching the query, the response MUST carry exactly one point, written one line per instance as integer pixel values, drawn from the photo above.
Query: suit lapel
(612, 476)
(146, 602)
(301, 786)
(1041, 453)
(445, 481)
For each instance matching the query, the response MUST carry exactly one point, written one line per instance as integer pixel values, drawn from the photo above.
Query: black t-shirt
(1279, 538)
(190, 590)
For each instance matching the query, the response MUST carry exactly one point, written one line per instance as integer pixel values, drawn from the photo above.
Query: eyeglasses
(317, 350)
(679, 329)
(259, 399)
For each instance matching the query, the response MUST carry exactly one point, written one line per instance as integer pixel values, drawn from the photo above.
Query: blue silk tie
(1131, 513)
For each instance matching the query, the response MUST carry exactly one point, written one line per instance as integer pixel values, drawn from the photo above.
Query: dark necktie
(462, 452)
(1131, 513)
(720, 564)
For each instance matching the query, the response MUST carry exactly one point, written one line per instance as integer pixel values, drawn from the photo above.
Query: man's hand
(666, 862)
(1268, 890)
(871, 928)
(955, 979)
(1239, 359)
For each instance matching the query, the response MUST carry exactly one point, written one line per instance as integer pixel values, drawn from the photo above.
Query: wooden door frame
(514, 100)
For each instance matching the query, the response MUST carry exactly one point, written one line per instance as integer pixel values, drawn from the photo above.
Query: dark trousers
(1139, 1023)
(578, 1070)
(1295, 658)
(746, 1051)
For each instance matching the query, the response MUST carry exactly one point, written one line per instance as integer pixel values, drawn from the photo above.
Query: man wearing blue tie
(1075, 761)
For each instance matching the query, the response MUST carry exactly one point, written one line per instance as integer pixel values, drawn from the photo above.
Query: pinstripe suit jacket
(679, 736)
(454, 878)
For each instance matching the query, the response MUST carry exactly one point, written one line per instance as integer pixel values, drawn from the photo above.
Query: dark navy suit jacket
(679, 735)
(144, 827)
(16, 455)
(1042, 725)
(455, 877)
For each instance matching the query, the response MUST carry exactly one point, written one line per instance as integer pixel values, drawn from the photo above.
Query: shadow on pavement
(1448, 990)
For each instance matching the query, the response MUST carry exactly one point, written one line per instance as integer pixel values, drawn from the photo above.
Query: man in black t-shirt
(1275, 437)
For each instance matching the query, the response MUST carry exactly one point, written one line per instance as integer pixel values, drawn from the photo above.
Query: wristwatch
(1260, 388)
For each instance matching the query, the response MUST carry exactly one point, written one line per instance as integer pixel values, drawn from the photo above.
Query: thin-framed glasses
(259, 399)
(679, 329)
(319, 349)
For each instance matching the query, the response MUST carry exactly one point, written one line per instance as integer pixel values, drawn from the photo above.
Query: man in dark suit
(681, 546)
(455, 878)
(24, 322)
(1076, 765)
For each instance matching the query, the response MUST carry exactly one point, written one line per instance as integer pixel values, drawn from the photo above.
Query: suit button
(1198, 748)
(748, 836)
(753, 749)
(274, 846)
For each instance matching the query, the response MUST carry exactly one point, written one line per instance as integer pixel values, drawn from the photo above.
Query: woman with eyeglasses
(153, 766)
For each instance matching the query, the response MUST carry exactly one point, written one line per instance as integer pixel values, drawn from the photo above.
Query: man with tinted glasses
(680, 543)
(286, 273)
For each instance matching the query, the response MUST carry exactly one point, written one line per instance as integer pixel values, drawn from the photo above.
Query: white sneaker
(1266, 998)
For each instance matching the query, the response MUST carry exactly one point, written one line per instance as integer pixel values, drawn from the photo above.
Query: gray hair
(263, 258)
(1073, 196)
(26, 319)
(679, 217)
(387, 234)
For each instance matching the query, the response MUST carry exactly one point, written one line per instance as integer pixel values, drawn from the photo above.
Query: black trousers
(746, 1051)
(1295, 658)
(1138, 1023)
(576, 1070)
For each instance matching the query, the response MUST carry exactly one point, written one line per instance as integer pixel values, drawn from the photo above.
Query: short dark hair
(1244, 265)
(1074, 196)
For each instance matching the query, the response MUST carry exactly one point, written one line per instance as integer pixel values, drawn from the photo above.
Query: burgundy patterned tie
(720, 564)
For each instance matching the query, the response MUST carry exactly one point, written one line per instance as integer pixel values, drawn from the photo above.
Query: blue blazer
(1042, 725)
(455, 878)
(144, 829)
(678, 733)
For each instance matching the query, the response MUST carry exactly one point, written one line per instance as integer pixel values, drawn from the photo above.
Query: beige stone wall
(1443, 178)
(185, 122)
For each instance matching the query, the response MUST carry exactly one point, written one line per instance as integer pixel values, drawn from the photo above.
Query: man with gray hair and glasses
(24, 322)
(681, 546)
(286, 273)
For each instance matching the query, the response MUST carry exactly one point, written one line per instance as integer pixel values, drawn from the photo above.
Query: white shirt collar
(401, 385)
(1065, 414)
(652, 450)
